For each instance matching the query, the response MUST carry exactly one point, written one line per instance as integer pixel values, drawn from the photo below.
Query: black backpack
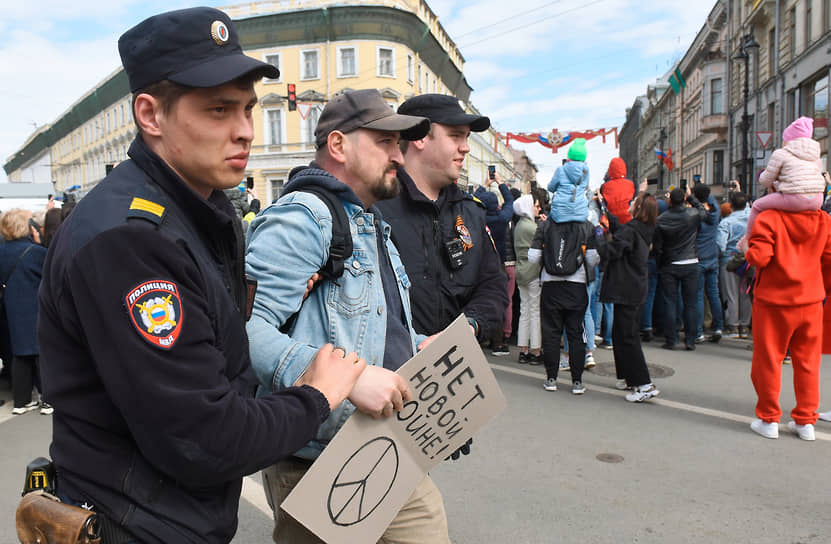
(340, 247)
(563, 246)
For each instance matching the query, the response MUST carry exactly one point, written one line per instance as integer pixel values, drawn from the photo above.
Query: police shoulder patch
(155, 309)
(476, 200)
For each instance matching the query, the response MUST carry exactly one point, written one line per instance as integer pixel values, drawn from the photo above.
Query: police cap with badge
(195, 47)
(447, 110)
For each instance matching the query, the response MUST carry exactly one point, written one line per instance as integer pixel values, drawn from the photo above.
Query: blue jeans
(687, 276)
(646, 316)
(598, 308)
(708, 279)
(588, 320)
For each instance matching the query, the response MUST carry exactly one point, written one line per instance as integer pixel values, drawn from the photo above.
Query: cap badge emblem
(219, 32)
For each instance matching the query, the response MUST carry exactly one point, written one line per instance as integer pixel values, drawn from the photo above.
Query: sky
(534, 65)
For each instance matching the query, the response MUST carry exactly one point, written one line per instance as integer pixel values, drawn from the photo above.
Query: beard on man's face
(387, 188)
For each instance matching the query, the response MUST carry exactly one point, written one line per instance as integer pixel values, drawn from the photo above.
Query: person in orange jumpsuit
(791, 253)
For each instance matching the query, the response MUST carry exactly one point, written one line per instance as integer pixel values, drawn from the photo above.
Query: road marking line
(663, 402)
(253, 492)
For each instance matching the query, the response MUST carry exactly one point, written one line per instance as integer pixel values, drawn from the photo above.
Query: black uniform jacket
(145, 358)
(421, 228)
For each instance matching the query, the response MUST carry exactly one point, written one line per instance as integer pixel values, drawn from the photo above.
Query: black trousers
(687, 276)
(25, 375)
(563, 304)
(630, 363)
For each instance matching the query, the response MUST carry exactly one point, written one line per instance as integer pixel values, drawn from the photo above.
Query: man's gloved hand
(464, 449)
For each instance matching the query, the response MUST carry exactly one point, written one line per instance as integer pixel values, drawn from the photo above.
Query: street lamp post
(745, 46)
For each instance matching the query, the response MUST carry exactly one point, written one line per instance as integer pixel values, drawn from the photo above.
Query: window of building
(826, 15)
(274, 60)
(771, 117)
(716, 96)
(107, 116)
(274, 126)
(772, 52)
(816, 105)
(418, 80)
(347, 62)
(410, 69)
(386, 62)
(276, 186)
(308, 125)
(809, 10)
(790, 107)
(792, 17)
(309, 68)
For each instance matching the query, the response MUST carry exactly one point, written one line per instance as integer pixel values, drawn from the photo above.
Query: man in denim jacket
(730, 231)
(366, 310)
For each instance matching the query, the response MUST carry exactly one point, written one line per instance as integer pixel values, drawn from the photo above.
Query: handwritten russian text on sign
(369, 470)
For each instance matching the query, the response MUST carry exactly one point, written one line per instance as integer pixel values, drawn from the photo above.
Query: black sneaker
(668, 345)
(523, 357)
(646, 336)
(500, 350)
(716, 336)
(535, 360)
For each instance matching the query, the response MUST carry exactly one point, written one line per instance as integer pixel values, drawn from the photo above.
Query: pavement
(555, 467)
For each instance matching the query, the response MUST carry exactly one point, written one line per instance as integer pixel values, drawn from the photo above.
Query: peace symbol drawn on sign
(363, 482)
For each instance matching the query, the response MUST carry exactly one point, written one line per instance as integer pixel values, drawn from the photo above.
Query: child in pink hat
(794, 172)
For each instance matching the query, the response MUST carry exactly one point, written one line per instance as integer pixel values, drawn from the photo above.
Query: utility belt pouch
(250, 294)
(43, 519)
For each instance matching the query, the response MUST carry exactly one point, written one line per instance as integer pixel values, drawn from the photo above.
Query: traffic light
(292, 97)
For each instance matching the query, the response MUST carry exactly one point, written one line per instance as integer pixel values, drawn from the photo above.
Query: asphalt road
(689, 469)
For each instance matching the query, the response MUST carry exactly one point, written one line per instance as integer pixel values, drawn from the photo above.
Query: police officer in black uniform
(143, 301)
(447, 251)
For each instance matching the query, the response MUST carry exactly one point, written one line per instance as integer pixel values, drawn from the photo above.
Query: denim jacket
(287, 243)
(730, 231)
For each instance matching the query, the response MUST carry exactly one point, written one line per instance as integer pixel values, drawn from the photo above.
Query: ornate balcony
(714, 123)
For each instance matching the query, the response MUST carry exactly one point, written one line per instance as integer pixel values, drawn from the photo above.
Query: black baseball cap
(443, 109)
(366, 108)
(196, 47)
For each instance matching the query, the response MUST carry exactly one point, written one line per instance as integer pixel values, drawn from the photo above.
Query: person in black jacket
(440, 230)
(625, 252)
(21, 267)
(674, 247)
(498, 220)
(143, 305)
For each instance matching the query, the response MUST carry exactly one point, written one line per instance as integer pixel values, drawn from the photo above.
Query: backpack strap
(340, 248)
(17, 262)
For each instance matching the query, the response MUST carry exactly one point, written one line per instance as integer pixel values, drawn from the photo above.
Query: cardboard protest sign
(366, 474)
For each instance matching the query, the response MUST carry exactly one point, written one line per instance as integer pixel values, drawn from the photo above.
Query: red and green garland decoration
(556, 139)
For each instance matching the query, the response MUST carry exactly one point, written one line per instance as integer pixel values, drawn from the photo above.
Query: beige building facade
(324, 48)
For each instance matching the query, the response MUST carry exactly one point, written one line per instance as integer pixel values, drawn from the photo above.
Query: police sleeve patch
(155, 309)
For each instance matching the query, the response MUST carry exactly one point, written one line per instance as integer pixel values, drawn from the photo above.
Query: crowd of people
(649, 268)
(166, 299)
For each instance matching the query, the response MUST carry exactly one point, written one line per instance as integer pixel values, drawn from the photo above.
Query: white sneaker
(825, 416)
(621, 384)
(550, 384)
(590, 362)
(33, 405)
(805, 432)
(768, 430)
(642, 393)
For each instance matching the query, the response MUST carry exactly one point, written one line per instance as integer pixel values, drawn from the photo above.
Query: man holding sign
(365, 310)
